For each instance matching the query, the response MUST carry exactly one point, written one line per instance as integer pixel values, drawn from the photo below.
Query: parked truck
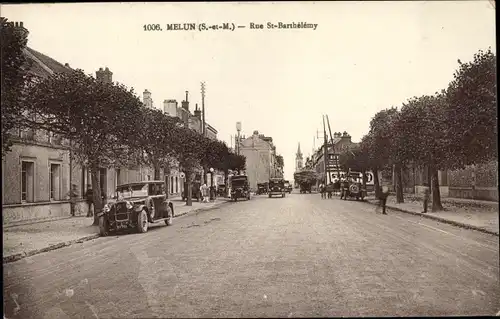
(305, 179)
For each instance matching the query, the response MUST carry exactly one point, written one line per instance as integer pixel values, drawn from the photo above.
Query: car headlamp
(106, 208)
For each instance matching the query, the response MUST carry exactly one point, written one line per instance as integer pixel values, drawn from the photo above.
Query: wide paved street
(291, 257)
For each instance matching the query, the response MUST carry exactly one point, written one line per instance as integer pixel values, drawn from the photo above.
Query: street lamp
(212, 195)
(238, 128)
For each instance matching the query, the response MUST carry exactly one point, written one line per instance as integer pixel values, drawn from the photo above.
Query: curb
(440, 219)
(201, 209)
(19, 256)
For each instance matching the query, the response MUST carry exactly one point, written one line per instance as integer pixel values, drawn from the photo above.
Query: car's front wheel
(170, 217)
(103, 227)
(142, 222)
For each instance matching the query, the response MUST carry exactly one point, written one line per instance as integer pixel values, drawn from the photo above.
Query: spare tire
(353, 188)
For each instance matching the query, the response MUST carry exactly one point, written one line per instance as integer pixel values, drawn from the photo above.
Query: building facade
(340, 143)
(260, 156)
(37, 173)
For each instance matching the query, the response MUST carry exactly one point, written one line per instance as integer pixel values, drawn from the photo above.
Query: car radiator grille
(121, 211)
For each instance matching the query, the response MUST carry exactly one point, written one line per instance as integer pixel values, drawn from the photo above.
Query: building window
(171, 184)
(54, 181)
(27, 181)
(176, 184)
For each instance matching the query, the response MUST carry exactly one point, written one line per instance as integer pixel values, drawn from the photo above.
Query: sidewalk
(30, 239)
(477, 215)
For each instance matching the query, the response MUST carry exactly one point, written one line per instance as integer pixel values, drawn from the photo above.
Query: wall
(258, 160)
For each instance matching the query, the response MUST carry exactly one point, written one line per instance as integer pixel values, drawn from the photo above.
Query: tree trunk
(156, 174)
(166, 176)
(436, 195)
(376, 183)
(399, 183)
(96, 192)
(189, 179)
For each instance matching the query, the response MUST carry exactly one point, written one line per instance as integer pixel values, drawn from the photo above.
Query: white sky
(363, 57)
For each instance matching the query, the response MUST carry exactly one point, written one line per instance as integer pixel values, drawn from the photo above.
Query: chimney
(185, 103)
(197, 112)
(146, 99)
(104, 76)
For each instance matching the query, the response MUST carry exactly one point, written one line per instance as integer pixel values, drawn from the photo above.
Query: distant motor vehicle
(288, 187)
(135, 206)
(261, 189)
(276, 187)
(240, 187)
(352, 190)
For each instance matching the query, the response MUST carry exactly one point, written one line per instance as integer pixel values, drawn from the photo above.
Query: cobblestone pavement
(281, 257)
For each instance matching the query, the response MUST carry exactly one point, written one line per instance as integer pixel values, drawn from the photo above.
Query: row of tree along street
(449, 130)
(106, 124)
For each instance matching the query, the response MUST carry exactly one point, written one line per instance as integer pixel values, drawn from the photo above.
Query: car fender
(138, 208)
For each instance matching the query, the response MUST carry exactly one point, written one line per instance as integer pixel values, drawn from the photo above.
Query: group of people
(334, 188)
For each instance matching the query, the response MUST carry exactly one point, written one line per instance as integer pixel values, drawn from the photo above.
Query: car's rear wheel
(103, 227)
(170, 216)
(142, 222)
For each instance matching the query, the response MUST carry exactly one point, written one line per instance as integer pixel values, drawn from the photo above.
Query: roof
(44, 65)
(143, 182)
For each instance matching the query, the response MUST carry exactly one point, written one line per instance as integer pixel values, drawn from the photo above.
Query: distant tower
(298, 160)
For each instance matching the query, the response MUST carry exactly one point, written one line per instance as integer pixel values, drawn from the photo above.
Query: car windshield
(132, 190)
(276, 183)
(238, 182)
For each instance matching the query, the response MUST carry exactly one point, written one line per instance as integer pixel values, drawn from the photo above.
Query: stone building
(260, 156)
(37, 173)
(340, 143)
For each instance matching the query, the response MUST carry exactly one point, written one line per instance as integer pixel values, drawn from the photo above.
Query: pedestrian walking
(90, 200)
(427, 193)
(330, 190)
(384, 193)
(204, 193)
(322, 190)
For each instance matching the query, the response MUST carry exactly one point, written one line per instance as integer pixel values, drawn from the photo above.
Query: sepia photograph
(249, 159)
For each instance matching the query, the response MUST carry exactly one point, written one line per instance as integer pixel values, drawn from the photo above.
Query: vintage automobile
(135, 205)
(352, 189)
(240, 187)
(261, 189)
(277, 187)
(288, 187)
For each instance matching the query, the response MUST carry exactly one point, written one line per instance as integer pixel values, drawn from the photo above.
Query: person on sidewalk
(90, 200)
(426, 197)
(384, 193)
(204, 193)
(73, 195)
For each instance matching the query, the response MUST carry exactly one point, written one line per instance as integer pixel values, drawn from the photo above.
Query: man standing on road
(426, 197)
(384, 193)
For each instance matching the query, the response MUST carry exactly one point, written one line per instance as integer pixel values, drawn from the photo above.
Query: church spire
(299, 153)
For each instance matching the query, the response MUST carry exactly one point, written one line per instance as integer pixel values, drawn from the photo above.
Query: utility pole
(325, 150)
(203, 107)
(335, 155)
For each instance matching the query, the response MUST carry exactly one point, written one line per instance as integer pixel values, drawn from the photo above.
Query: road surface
(280, 257)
